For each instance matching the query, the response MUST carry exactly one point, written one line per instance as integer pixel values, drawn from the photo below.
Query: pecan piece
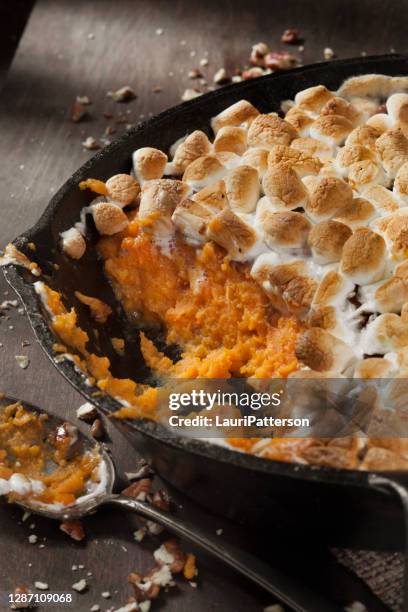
(139, 490)
(161, 500)
(74, 529)
(290, 36)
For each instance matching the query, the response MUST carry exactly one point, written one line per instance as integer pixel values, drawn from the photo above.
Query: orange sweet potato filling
(26, 448)
(211, 308)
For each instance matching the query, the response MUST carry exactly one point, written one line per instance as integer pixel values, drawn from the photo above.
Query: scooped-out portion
(210, 307)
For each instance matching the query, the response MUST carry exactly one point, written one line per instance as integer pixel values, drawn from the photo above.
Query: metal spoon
(281, 586)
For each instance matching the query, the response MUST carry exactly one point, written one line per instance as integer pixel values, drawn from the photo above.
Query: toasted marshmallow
(109, 218)
(374, 367)
(366, 106)
(403, 127)
(282, 230)
(265, 262)
(313, 99)
(160, 197)
(298, 294)
(191, 148)
(339, 106)
(303, 163)
(148, 164)
(397, 108)
(386, 334)
(330, 168)
(231, 138)
(400, 189)
(379, 224)
(363, 174)
(322, 351)
(300, 120)
(381, 198)
(122, 188)
(311, 182)
(242, 186)
(391, 295)
(204, 171)
(283, 187)
(267, 131)
(392, 147)
(228, 159)
(351, 154)
(358, 213)
(313, 147)
(333, 290)
(332, 129)
(324, 317)
(402, 271)
(288, 284)
(232, 233)
(328, 197)
(364, 136)
(363, 259)
(380, 122)
(398, 84)
(398, 358)
(256, 158)
(396, 232)
(331, 320)
(260, 271)
(326, 240)
(371, 85)
(73, 243)
(191, 219)
(241, 113)
(214, 197)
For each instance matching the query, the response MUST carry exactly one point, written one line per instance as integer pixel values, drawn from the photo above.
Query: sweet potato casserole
(277, 248)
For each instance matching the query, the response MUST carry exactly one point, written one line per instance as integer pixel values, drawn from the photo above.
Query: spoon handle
(286, 589)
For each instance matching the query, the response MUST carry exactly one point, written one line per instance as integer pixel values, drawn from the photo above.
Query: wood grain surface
(72, 48)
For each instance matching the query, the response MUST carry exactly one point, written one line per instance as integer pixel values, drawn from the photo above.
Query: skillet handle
(398, 485)
(286, 589)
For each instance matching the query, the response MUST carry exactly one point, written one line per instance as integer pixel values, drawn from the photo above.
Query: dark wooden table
(72, 48)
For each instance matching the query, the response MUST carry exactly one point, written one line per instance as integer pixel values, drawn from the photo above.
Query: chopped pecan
(78, 111)
(142, 470)
(124, 94)
(97, 429)
(139, 490)
(252, 73)
(290, 36)
(173, 548)
(74, 529)
(280, 60)
(19, 605)
(161, 500)
(143, 587)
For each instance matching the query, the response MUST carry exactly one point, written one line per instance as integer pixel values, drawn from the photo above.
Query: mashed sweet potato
(208, 306)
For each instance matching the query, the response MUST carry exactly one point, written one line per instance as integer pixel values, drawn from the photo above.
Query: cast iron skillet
(348, 508)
